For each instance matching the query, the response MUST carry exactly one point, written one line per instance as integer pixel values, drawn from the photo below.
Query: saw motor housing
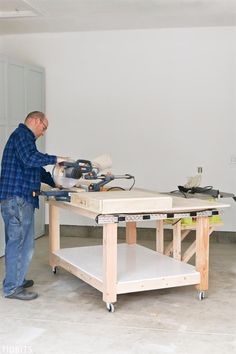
(76, 169)
(67, 173)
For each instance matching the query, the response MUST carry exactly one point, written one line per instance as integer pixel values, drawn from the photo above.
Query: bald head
(37, 122)
(34, 115)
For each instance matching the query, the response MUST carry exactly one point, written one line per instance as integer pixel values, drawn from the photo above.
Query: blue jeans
(18, 216)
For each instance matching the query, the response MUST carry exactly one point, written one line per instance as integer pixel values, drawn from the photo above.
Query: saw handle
(83, 165)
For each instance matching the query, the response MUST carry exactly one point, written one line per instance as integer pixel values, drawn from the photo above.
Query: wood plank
(121, 202)
(180, 204)
(74, 208)
(169, 248)
(90, 204)
(54, 232)
(160, 283)
(110, 263)
(66, 264)
(177, 240)
(194, 226)
(202, 251)
(191, 250)
(160, 236)
(131, 233)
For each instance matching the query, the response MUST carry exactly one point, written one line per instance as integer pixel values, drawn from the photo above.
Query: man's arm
(30, 156)
(46, 177)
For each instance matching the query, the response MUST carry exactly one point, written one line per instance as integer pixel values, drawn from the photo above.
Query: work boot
(23, 295)
(28, 283)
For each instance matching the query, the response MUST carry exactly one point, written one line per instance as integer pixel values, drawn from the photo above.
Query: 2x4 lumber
(131, 233)
(177, 240)
(160, 236)
(54, 233)
(169, 248)
(54, 228)
(110, 263)
(191, 250)
(202, 251)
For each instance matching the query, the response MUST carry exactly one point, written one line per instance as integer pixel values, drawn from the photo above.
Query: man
(21, 174)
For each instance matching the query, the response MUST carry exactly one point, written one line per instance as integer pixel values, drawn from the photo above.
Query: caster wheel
(110, 307)
(54, 270)
(201, 295)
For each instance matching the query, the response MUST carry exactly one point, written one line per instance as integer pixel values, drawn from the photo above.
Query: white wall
(161, 102)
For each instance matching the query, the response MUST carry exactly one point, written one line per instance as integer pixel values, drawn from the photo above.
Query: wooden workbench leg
(131, 233)
(110, 263)
(202, 251)
(160, 236)
(177, 240)
(54, 233)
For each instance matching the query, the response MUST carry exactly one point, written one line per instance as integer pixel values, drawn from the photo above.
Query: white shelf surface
(138, 268)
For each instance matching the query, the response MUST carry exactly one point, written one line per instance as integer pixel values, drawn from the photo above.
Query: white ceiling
(92, 15)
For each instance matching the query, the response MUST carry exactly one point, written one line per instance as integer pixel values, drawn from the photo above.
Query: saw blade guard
(67, 173)
(62, 178)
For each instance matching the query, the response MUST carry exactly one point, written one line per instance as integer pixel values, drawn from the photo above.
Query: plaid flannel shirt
(21, 168)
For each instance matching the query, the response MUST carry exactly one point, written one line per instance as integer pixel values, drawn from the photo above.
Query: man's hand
(61, 159)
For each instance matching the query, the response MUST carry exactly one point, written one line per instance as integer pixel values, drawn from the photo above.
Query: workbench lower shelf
(138, 268)
(124, 268)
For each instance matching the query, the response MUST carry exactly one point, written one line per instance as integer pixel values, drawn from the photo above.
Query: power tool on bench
(68, 174)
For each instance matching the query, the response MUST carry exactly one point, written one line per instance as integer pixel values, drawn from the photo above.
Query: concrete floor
(70, 317)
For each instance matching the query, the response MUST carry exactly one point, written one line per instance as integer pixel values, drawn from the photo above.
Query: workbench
(128, 267)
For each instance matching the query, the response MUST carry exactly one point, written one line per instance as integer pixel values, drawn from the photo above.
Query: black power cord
(123, 189)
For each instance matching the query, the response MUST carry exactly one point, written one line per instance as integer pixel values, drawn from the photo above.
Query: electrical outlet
(199, 170)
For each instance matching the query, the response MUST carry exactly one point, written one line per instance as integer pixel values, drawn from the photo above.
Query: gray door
(21, 91)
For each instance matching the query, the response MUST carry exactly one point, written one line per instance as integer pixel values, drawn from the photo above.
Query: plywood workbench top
(135, 201)
(139, 201)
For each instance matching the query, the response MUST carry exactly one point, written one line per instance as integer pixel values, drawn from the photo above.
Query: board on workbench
(122, 201)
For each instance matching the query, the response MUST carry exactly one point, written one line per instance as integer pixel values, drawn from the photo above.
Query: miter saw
(71, 175)
(67, 173)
